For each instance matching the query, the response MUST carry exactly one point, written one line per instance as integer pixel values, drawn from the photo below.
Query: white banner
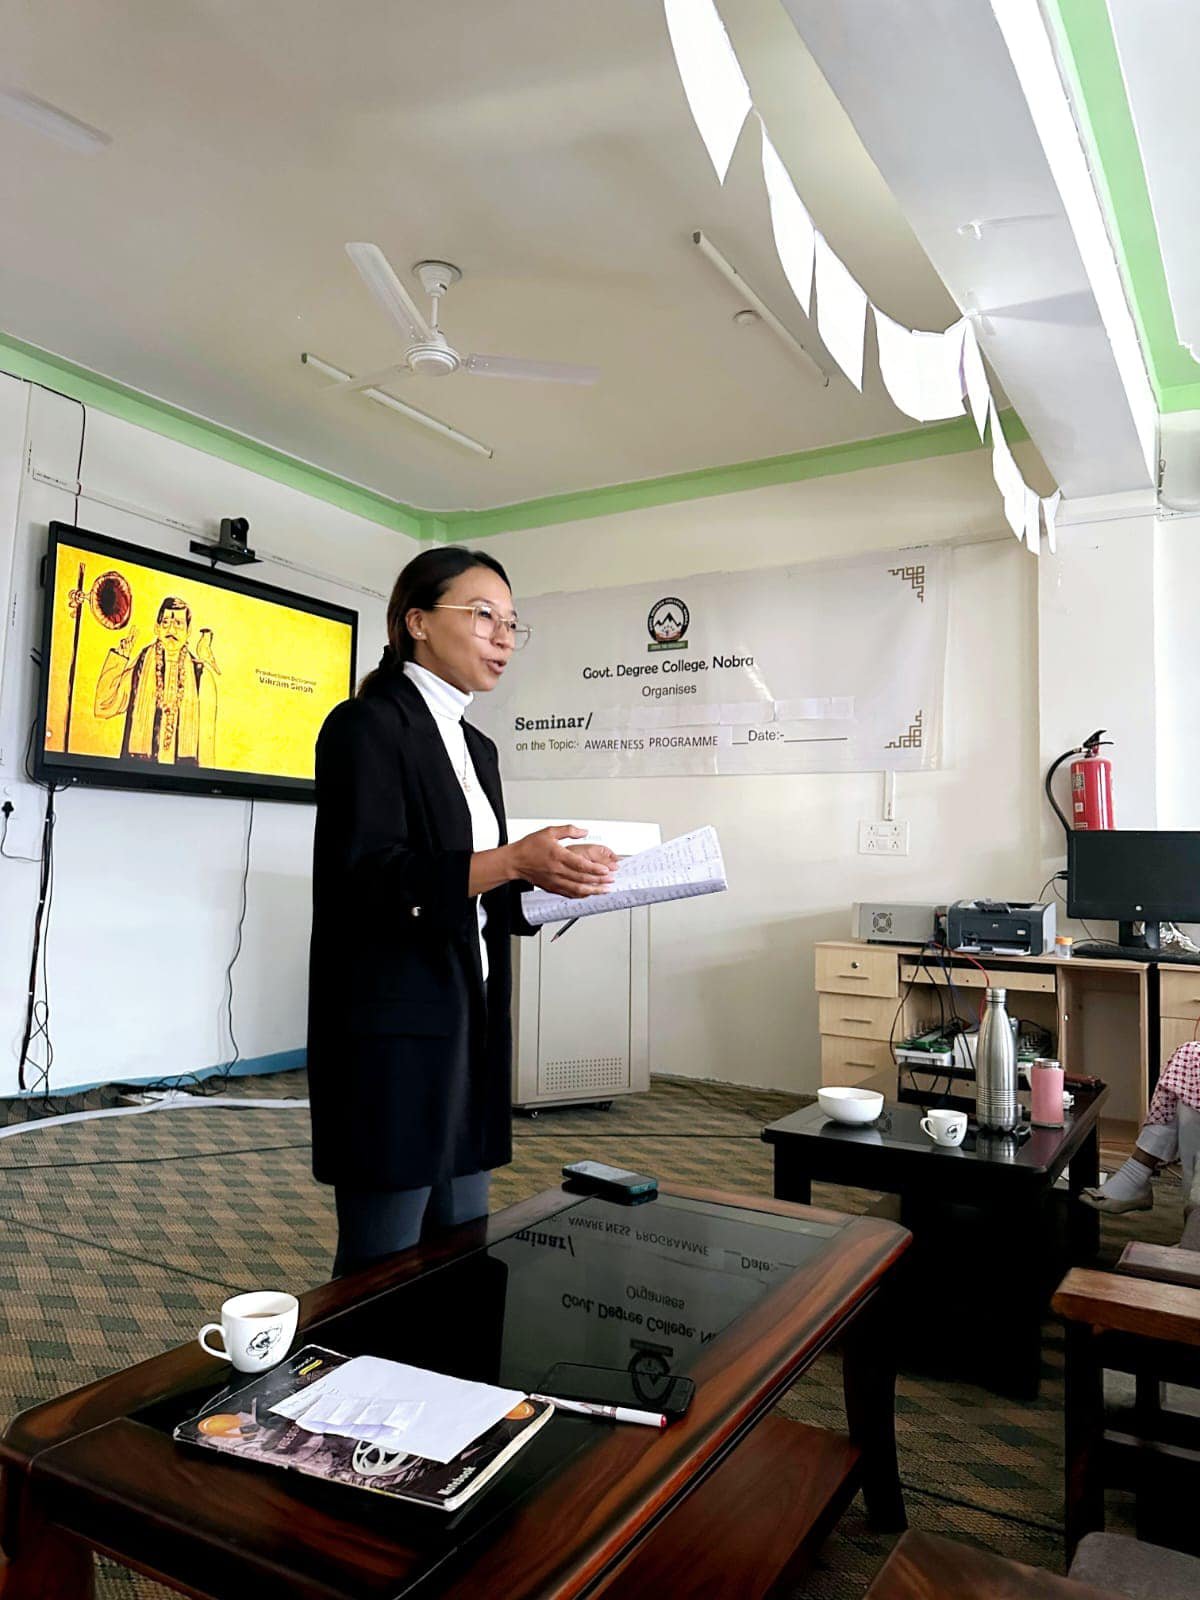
(828, 667)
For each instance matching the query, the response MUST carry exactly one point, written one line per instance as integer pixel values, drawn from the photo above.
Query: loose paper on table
(399, 1407)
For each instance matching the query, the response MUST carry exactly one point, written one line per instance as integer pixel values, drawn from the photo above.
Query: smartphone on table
(614, 1183)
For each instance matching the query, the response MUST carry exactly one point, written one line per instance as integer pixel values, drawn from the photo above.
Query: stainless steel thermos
(996, 1104)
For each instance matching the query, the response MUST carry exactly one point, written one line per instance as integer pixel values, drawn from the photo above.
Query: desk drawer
(849, 1062)
(857, 1016)
(1173, 1031)
(1179, 993)
(856, 971)
(1033, 979)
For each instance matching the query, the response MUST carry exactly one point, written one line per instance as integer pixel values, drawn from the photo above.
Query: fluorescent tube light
(378, 395)
(732, 276)
(46, 119)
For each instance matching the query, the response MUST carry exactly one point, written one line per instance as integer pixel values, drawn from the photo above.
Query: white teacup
(945, 1127)
(256, 1329)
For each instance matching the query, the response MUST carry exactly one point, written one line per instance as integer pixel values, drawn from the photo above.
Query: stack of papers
(399, 1407)
(682, 867)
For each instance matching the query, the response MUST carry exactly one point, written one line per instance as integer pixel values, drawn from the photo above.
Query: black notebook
(242, 1424)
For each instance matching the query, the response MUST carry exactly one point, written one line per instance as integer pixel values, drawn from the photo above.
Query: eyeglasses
(489, 624)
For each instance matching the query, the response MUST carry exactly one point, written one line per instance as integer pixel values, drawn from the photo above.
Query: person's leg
(458, 1200)
(375, 1222)
(1188, 1121)
(1129, 1187)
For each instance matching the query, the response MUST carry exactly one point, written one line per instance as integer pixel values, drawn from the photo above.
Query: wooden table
(725, 1502)
(983, 1218)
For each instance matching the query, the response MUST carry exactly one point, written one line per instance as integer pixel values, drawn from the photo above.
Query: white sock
(1128, 1181)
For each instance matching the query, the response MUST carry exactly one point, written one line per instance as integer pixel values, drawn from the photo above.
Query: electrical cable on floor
(185, 1102)
(586, 1133)
(149, 1161)
(175, 1099)
(108, 1249)
(986, 1511)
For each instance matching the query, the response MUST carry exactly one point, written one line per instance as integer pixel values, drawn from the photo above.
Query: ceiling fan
(427, 352)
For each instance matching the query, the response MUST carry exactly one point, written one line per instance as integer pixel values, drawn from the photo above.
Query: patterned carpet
(119, 1237)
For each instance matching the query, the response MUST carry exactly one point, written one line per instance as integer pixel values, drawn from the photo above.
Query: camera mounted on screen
(231, 546)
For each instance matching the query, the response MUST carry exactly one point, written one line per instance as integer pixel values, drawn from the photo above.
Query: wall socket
(24, 835)
(883, 838)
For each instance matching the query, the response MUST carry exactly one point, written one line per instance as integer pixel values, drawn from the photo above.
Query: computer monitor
(1129, 876)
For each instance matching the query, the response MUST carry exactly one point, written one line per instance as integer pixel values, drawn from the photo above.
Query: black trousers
(376, 1222)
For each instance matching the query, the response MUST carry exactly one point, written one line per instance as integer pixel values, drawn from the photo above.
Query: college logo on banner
(667, 624)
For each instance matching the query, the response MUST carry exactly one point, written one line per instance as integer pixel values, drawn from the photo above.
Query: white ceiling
(954, 137)
(1158, 44)
(544, 147)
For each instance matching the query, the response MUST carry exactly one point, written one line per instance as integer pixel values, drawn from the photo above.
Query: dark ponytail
(419, 587)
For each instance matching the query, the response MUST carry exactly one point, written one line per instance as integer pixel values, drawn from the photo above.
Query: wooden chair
(1142, 1319)
(924, 1566)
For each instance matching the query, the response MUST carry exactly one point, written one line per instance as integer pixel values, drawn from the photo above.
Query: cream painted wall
(1177, 645)
(147, 888)
(732, 977)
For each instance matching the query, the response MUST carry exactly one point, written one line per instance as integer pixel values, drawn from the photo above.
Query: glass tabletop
(641, 1287)
(899, 1128)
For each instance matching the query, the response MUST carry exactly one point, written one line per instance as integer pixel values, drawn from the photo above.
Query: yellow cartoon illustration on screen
(171, 672)
(167, 693)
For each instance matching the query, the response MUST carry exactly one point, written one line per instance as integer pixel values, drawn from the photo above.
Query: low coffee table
(989, 1244)
(740, 1292)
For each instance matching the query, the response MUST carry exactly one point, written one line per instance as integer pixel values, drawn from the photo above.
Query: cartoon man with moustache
(167, 694)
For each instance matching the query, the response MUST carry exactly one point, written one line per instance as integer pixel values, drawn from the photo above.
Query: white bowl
(855, 1106)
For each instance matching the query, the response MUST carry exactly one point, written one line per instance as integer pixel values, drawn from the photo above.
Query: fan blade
(533, 371)
(371, 381)
(376, 272)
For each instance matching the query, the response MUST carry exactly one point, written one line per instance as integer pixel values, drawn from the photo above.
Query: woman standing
(415, 896)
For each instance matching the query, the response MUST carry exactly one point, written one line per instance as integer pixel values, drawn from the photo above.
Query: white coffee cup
(945, 1127)
(256, 1329)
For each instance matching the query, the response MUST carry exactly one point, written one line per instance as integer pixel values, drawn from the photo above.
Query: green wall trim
(1089, 55)
(915, 444)
(130, 405)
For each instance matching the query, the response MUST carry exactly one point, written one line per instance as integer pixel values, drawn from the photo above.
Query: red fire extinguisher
(1091, 786)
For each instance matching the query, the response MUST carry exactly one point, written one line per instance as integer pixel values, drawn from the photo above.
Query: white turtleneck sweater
(449, 706)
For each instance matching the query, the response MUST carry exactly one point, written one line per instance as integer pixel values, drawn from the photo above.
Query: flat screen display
(1131, 875)
(159, 674)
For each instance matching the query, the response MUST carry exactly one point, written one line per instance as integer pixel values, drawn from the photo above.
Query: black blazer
(409, 1063)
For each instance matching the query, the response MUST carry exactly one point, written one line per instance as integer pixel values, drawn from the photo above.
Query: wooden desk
(727, 1500)
(1114, 1020)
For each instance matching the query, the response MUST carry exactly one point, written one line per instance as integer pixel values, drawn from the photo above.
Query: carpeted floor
(118, 1238)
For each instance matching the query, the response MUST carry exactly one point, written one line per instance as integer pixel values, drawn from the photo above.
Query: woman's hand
(574, 870)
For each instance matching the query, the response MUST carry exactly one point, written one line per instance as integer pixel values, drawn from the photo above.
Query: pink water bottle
(1046, 1079)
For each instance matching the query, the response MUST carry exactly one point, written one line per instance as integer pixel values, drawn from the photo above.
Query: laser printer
(1001, 927)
